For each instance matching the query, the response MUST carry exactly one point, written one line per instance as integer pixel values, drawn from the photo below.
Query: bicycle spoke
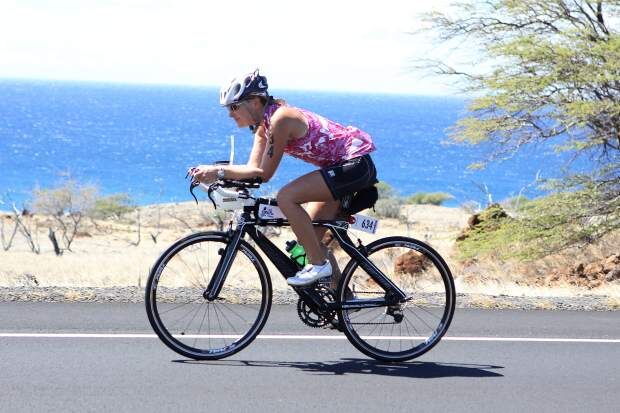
(178, 319)
(419, 318)
(209, 324)
(409, 332)
(192, 319)
(204, 279)
(390, 341)
(234, 312)
(374, 328)
(227, 321)
(201, 323)
(427, 312)
(415, 330)
(367, 322)
(181, 305)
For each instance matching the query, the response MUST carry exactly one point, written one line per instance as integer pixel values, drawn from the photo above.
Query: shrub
(115, 205)
(385, 190)
(67, 204)
(490, 232)
(387, 208)
(69, 198)
(429, 198)
(515, 204)
(544, 226)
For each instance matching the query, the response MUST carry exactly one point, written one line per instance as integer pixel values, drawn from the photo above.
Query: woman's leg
(307, 188)
(326, 210)
(322, 210)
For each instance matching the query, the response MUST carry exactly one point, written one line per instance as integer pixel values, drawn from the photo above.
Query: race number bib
(364, 223)
(270, 212)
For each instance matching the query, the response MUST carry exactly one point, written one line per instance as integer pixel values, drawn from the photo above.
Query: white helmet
(243, 87)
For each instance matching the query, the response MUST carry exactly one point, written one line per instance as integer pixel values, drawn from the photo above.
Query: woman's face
(242, 113)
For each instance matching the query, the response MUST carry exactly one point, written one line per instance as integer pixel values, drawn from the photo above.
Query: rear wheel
(410, 328)
(190, 324)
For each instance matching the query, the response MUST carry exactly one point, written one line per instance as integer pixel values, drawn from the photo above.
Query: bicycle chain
(373, 324)
(317, 320)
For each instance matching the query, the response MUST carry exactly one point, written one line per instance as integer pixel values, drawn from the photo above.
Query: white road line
(312, 337)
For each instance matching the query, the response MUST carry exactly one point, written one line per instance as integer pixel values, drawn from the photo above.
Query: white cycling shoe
(310, 274)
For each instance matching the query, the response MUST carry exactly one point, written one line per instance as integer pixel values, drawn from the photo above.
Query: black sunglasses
(233, 107)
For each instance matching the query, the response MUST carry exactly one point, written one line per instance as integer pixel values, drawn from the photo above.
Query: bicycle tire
(177, 282)
(423, 275)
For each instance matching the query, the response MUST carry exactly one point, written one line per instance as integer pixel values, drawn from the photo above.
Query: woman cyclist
(341, 153)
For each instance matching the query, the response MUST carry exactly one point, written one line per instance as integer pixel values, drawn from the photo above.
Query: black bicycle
(209, 294)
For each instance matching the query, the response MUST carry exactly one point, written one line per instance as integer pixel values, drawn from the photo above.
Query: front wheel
(410, 328)
(190, 324)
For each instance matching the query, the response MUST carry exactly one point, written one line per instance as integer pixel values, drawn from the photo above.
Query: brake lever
(209, 191)
(192, 185)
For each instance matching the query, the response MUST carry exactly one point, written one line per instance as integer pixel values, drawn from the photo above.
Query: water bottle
(297, 253)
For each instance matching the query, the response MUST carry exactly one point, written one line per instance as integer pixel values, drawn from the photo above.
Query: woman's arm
(282, 129)
(258, 148)
(266, 153)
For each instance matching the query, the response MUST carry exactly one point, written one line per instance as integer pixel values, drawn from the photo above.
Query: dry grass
(106, 254)
(78, 295)
(545, 305)
(613, 303)
(481, 301)
(493, 276)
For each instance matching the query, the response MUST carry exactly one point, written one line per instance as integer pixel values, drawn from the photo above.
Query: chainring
(312, 318)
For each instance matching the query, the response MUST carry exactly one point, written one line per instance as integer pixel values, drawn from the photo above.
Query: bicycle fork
(223, 266)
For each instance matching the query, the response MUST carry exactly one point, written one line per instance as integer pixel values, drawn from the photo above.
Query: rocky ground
(136, 295)
(588, 276)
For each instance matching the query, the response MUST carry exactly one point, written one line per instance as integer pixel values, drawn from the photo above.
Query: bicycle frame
(247, 225)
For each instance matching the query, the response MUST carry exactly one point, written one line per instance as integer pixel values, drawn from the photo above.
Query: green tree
(545, 70)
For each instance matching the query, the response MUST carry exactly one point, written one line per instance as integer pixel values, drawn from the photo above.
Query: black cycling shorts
(350, 176)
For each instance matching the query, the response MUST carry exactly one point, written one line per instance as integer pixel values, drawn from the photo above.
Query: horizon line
(456, 95)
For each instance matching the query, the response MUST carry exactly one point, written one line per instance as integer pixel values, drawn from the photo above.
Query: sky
(335, 45)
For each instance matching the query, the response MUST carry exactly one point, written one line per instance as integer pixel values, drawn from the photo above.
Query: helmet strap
(257, 123)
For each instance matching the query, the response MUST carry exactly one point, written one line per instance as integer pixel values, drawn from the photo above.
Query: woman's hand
(203, 173)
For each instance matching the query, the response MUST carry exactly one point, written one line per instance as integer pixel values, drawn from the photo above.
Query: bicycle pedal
(334, 325)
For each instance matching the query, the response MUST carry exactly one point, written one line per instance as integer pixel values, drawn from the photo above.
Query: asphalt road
(104, 357)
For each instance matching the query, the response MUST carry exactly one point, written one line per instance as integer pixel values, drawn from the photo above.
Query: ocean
(141, 140)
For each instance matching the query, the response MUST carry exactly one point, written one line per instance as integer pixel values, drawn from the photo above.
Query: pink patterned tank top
(326, 143)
